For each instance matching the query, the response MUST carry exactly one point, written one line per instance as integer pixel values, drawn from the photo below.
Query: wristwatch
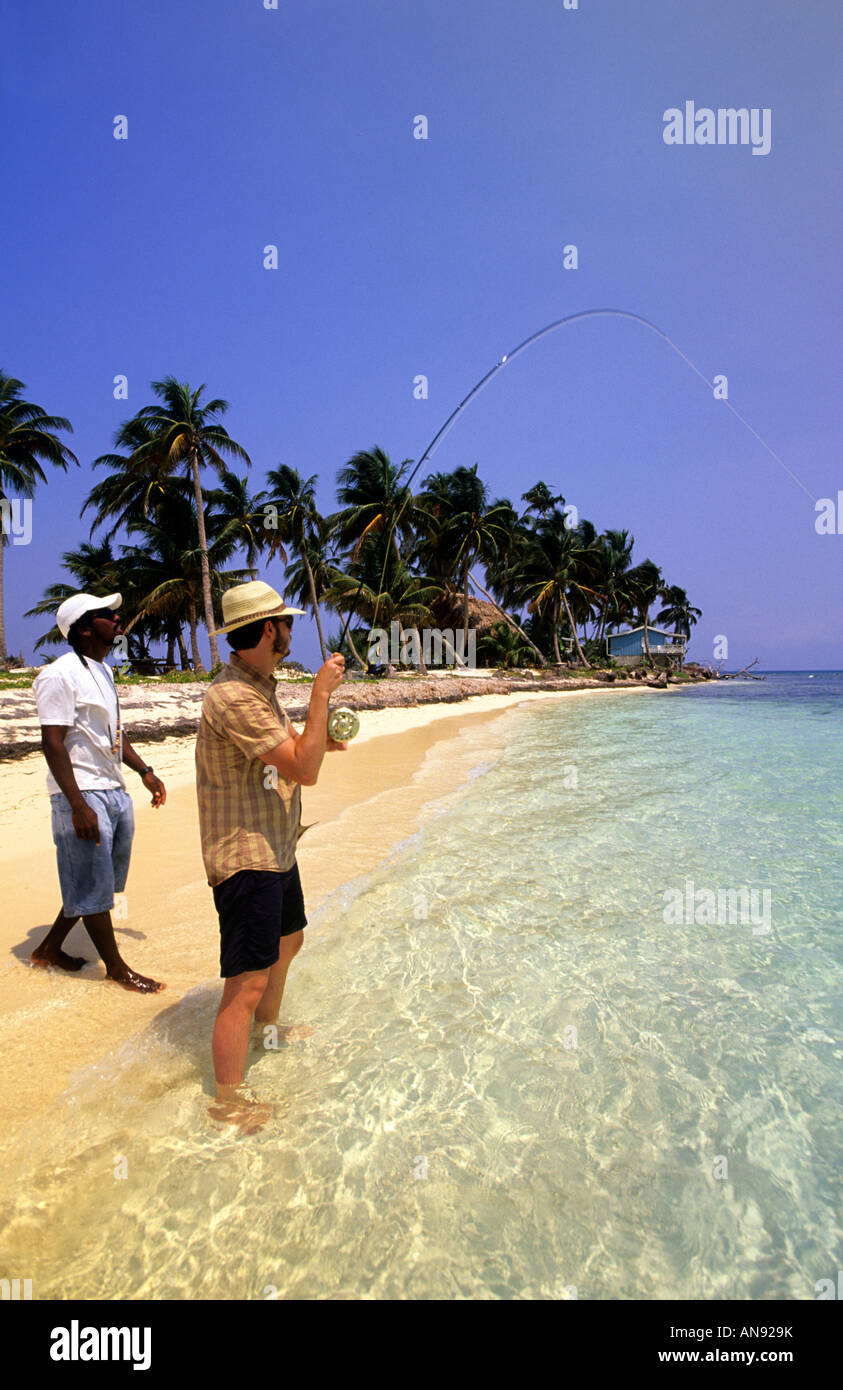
(143, 771)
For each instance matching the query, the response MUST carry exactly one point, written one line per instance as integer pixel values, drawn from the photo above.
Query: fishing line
(504, 361)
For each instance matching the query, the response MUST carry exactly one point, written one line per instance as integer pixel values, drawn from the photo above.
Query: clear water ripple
(523, 1082)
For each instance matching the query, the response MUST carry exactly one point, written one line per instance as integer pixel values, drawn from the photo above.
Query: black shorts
(256, 907)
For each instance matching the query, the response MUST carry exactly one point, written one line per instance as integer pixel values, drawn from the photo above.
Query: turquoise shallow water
(545, 1063)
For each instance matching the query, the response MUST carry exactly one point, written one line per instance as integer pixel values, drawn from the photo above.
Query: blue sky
(399, 256)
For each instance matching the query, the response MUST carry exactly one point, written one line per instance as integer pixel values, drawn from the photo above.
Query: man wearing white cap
(93, 824)
(250, 765)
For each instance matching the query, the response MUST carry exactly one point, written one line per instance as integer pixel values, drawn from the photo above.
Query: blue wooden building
(627, 648)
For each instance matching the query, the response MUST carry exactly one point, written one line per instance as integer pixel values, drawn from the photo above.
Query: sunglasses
(288, 621)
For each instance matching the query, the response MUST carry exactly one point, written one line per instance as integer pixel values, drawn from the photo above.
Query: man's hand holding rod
(299, 758)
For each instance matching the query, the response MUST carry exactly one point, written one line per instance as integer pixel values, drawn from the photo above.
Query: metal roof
(659, 631)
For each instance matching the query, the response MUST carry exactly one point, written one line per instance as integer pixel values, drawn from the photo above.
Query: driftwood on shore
(735, 675)
(716, 673)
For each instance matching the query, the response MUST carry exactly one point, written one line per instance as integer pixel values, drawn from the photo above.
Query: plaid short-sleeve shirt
(249, 815)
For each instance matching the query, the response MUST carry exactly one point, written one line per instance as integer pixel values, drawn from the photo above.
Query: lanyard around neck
(115, 744)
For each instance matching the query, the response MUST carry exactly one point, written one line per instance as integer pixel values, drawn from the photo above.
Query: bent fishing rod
(510, 357)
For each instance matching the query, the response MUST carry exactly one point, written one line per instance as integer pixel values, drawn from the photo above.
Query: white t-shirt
(82, 697)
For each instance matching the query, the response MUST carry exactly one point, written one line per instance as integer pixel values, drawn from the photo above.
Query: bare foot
(54, 955)
(269, 1035)
(242, 1109)
(130, 979)
(292, 1032)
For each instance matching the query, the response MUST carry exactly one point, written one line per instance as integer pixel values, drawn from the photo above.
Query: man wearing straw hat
(250, 766)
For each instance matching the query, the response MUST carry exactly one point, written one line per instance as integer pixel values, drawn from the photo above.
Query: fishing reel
(343, 724)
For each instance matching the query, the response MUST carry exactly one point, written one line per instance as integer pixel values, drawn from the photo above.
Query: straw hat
(245, 603)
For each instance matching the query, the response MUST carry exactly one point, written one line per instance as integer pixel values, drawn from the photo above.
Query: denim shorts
(90, 874)
(256, 907)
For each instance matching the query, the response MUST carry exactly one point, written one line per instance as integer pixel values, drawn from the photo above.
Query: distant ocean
(580, 1037)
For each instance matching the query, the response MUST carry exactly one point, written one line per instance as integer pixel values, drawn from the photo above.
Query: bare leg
(270, 1003)
(101, 932)
(230, 1047)
(50, 951)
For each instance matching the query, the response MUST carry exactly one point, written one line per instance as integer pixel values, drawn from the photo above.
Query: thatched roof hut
(448, 613)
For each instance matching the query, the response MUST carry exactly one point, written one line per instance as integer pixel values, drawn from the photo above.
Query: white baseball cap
(78, 605)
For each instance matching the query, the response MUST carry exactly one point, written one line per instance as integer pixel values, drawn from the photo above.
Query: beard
(280, 646)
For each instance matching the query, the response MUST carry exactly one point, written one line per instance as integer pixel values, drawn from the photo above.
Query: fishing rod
(510, 357)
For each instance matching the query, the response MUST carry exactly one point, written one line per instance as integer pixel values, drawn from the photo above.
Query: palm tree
(556, 565)
(644, 584)
(461, 525)
(139, 483)
(27, 438)
(312, 572)
(613, 559)
(540, 499)
(185, 432)
(342, 642)
(678, 612)
(166, 573)
(502, 646)
(384, 589)
(291, 505)
(508, 619)
(584, 598)
(374, 500)
(241, 516)
(141, 488)
(539, 631)
(138, 488)
(503, 575)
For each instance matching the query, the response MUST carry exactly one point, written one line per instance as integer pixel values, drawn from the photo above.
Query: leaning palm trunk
(403, 633)
(350, 639)
(194, 643)
(422, 664)
(458, 658)
(601, 636)
(315, 605)
(402, 638)
(465, 612)
(3, 652)
(556, 634)
(206, 568)
(512, 623)
(183, 657)
(570, 617)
